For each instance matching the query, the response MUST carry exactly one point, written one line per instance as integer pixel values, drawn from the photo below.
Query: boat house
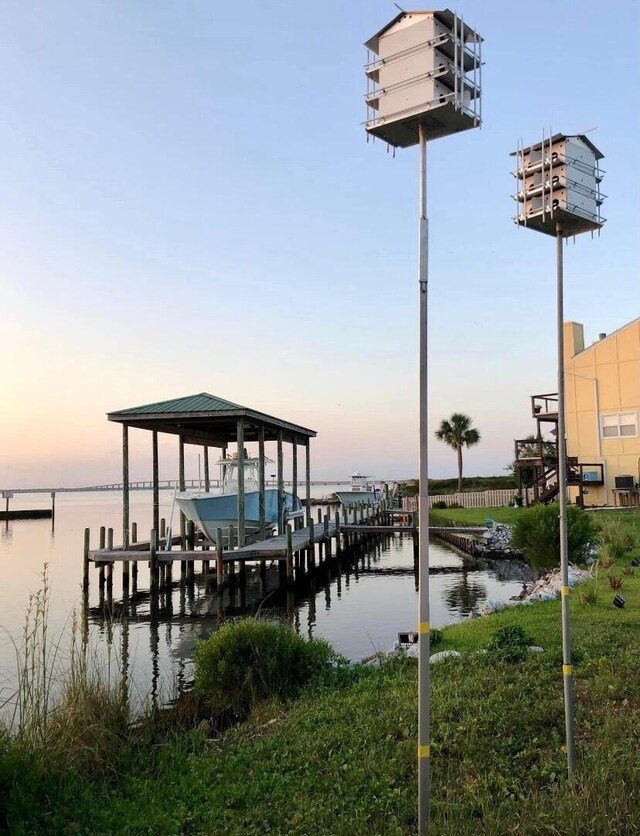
(209, 421)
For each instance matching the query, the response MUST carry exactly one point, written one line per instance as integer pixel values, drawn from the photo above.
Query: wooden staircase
(536, 459)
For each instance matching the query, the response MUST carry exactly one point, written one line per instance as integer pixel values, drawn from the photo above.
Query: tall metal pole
(424, 730)
(567, 672)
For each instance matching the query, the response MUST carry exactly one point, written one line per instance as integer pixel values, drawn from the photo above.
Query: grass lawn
(342, 760)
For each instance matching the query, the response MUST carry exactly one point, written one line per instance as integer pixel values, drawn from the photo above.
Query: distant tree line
(409, 487)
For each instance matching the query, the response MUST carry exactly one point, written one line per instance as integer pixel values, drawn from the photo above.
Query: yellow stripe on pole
(567, 670)
(424, 751)
(423, 627)
(564, 591)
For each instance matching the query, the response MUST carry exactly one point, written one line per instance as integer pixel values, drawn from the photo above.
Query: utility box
(423, 68)
(558, 185)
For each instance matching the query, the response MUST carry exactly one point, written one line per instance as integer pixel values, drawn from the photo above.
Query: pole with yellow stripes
(424, 729)
(567, 671)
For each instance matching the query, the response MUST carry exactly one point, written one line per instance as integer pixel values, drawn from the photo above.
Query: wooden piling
(134, 573)
(153, 563)
(85, 563)
(102, 541)
(110, 569)
(280, 472)
(219, 563)
(191, 544)
(241, 503)
(290, 578)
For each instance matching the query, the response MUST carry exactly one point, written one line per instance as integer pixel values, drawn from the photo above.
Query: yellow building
(602, 391)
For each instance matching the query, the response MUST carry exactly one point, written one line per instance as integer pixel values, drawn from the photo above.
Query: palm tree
(457, 432)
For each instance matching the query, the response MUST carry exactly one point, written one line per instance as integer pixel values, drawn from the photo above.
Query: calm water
(359, 605)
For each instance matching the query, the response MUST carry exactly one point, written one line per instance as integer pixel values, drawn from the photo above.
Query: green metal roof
(208, 418)
(204, 402)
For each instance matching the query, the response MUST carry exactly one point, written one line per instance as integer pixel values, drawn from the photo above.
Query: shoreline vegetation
(337, 753)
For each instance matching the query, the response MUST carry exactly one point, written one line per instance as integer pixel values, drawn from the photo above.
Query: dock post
(338, 533)
(110, 569)
(134, 568)
(231, 546)
(280, 472)
(311, 556)
(294, 476)
(155, 481)
(85, 563)
(191, 545)
(327, 538)
(125, 579)
(53, 508)
(153, 563)
(289, 557)
(241, 489)
(261, 483)
(125, 486)
(102, 542)
(219, 563)
(307, 468)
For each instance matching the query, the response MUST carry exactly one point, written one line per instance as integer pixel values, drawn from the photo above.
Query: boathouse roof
(207, 419)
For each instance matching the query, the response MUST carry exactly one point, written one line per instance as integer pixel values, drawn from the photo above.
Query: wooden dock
(297, 550)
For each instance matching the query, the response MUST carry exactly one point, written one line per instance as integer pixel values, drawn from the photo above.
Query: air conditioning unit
(624, 483)
(590, 476)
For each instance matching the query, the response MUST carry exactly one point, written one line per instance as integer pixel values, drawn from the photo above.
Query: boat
(363, 489)
(211, 511)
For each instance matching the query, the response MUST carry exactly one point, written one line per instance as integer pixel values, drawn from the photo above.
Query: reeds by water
(70, 697)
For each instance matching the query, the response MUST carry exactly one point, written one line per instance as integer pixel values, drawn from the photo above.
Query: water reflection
(466, 595)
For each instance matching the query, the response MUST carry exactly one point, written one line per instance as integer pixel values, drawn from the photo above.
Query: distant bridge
(147, 485)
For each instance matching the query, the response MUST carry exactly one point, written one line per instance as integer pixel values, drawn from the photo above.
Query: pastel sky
(189, 204)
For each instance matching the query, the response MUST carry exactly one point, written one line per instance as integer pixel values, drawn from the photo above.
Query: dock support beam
(307, 447)
(294, 475)
(280, 485)
(207, 480)
(240, 434)
(261, 488)
(125, 486)
(181, 486)
(155, 481)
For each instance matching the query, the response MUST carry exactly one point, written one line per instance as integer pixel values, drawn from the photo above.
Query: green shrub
(616, 540)
(615, 581)
(537, 532)
(251, 661)
(588, 594)
(436, 637)
(509, 644)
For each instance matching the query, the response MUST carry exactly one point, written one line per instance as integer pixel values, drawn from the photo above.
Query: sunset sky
(189, 204)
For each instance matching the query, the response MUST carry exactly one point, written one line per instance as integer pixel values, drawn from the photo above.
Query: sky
(189, 204)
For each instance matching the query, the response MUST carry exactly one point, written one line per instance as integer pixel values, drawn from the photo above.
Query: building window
(619, 425)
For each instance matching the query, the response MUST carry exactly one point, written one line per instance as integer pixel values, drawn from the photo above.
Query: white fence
(472, 499)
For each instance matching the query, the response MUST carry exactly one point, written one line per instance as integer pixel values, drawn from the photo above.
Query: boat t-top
(363, 489)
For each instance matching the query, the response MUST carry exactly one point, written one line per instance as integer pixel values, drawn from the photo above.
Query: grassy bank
(341, 759)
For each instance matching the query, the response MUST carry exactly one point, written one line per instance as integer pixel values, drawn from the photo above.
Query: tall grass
(615, 538)
(69, 701)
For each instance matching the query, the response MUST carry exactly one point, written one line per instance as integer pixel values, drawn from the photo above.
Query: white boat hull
(213, 511)
(351, 497)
